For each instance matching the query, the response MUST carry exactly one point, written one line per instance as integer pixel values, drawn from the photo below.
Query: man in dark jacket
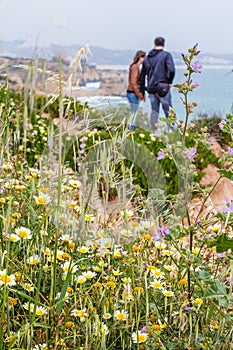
(158, 67)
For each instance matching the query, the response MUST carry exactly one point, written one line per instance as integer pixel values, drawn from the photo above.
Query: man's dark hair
(159, 41)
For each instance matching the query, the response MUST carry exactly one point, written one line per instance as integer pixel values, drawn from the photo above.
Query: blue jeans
(133, 100)
(134, 104)
(155, 101)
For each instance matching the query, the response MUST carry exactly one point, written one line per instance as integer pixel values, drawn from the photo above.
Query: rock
(223, 189)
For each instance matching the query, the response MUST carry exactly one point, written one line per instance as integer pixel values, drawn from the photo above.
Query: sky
(120, 24)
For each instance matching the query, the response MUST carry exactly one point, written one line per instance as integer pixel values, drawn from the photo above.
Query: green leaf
(216, 291)
(42, 325)
(222, 243)
(203, 274)
(226, 173)
(63, 292)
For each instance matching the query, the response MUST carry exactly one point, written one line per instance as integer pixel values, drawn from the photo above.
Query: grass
(76, 274)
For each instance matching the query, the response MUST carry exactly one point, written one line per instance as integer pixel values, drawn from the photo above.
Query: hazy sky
(121, 24)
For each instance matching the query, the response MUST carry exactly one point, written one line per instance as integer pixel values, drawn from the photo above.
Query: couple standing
(157, 67)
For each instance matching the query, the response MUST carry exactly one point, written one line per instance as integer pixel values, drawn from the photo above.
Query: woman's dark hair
(138, 55)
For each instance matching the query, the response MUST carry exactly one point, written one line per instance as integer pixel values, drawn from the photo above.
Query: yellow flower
(160, 245)
(139, 289)
(69, 325)
(10, 338)
(214, 325)
(89, 275)
(2, 200)
(69, 289)
(147, 237)
(97, 285)
(136, 248)
(18, 276)
(198, 301)
(7, 166)
(40, 311)
(43, 233)
(14, 238)
(183, 282)
(28, 287)
(116, 272)
(74, 183)
(107, 315)
(156, 285)
(142, 136)
(79, 313)
(169, 267)
(42, 199)
(20, 187)
(120, 315)
(33, 260)
(69, 267)
(117, 254)
(81, 279)
(139, 337)
(157, 273)
(156, 328)
(84, 249)
(23, 232)
(16, 215)
(127, 213)
(126, 280)
(8, 280)
(89, 217)
(110, 284)
(168, 293)
(34, 172)
(11, 302)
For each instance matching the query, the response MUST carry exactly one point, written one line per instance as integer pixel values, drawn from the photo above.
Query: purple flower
(221, 124)
(229, 280)
(188, 308)
(157, 237)
(83, 139)
(82, 145)
(158, 133)
(196, 67)
(191, 153)
(196, 84)
(196, 50)
(230, 150)
(143, 330)
(160, 154)
(176, 89)
(228, 208)
(219, 255)
(163, 231)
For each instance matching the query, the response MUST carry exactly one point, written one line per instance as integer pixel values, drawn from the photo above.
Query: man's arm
(143, 79)
(170, 68)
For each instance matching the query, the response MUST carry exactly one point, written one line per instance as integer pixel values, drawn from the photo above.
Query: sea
(214, 95)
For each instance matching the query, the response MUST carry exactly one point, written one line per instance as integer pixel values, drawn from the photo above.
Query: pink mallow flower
(230, 150)
(221, 124)
(160, 154)
(191, 153)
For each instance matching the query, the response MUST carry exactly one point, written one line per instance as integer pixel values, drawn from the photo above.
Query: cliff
(45, 76)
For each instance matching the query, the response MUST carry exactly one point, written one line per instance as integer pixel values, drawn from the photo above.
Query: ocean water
(214, 95)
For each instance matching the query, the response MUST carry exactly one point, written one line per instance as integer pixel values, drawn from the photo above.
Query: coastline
(125, 67)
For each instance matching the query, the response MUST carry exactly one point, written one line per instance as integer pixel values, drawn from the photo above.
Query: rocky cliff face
(45, 76)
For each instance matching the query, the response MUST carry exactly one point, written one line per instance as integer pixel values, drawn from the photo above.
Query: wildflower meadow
(100, 248)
